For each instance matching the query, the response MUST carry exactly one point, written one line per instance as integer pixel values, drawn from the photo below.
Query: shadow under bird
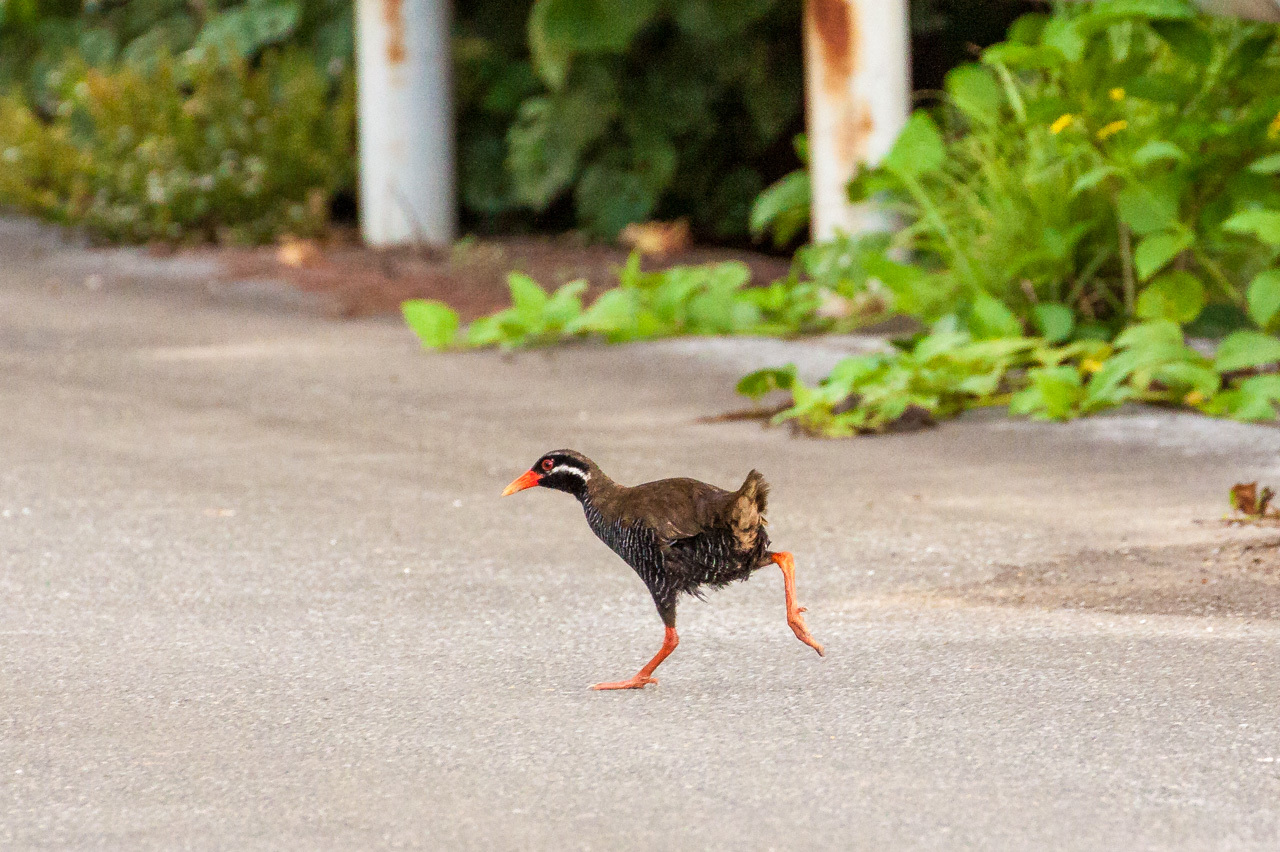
(679, 535)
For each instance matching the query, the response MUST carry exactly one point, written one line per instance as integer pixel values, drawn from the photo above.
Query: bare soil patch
(471, 277)
(1240, 579)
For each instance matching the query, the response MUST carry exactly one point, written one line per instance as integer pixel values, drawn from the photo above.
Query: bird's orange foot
(796, 622)
(636, 682)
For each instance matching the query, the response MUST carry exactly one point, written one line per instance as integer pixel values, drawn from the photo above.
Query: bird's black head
(563, 470)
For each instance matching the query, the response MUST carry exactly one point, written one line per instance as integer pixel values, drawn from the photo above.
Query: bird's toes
(634, 683)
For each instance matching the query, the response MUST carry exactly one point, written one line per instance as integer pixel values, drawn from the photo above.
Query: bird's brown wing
(676, 508)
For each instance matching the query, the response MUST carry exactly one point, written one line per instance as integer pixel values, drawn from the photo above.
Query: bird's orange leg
(669, 642)
(795, 620)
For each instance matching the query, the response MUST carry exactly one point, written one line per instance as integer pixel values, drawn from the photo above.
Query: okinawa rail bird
(678, 534)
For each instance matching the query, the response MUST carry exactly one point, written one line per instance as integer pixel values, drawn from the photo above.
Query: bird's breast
(632, 541)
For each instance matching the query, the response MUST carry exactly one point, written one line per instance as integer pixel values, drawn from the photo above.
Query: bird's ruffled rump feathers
(747, 510)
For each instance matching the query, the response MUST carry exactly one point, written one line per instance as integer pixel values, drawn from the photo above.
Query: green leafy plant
(684, 300)
(633, 109)
(194, 148)
(948, 371)
(163, 119)
(1103, 180)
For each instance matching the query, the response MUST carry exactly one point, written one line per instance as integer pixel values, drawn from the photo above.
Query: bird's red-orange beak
(528, 479)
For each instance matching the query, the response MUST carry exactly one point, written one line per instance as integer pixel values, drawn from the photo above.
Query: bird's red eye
(547, 464)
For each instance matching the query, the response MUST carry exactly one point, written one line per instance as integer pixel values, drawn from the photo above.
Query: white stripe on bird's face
(576, 471)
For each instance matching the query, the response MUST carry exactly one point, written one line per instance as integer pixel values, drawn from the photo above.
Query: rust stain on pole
(393, 14)
(834, 31)
(832, 21)
(855, 75)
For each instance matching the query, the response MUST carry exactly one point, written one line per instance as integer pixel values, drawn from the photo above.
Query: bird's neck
(598, 488)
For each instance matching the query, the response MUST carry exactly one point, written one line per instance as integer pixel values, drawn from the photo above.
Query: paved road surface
(257, 592)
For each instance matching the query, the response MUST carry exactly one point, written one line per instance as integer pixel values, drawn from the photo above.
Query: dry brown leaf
(297, 253)
(657, 238)
(1248, 499)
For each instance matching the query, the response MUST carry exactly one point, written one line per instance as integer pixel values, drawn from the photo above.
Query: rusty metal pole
(857, 92)
(404, 81)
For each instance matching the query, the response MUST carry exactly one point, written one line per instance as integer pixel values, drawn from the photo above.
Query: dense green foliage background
(572, 113)
(1077, 208)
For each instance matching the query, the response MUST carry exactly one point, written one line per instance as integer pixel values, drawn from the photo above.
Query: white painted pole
(404, 85)
(857, 93)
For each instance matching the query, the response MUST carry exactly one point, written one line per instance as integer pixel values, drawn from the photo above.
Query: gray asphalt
(257, 592)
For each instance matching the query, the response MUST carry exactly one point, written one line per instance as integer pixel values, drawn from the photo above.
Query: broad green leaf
(614, 312)
(485, 331)
(1150, 334)
(1147, 208)
(1024, 56)
(1029, 28)
(990, 318)
(784, 207)
(1120, 40)
(851, 373)
(975, 93)
(1266, 166)
(527, 298)
(1054, 322)
(245, 29)
(1159, 88)
(919, 148)
(1053, 394)
(1219, 319)
(1245, 349)
(1158, 150)
(1064, 34)
(940, 343)
(1176, 296)
(1264, 298)
(1249, 53)
(1156, 251)
(560, 29)
(435, 323)
(1187, 40)
(177, 34)
(609, 199)
(1188, 376)
(762, 382)
(1091, 178)
(1263, 224)
(546, 142)
(1252, 401)
(565, 305)
(1165, 10)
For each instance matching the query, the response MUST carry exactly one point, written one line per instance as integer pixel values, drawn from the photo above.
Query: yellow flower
(1091, 365)
(1193, 398)
(1112, 129)
(1117, 94)
(1273, 131)
(1061, 124)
